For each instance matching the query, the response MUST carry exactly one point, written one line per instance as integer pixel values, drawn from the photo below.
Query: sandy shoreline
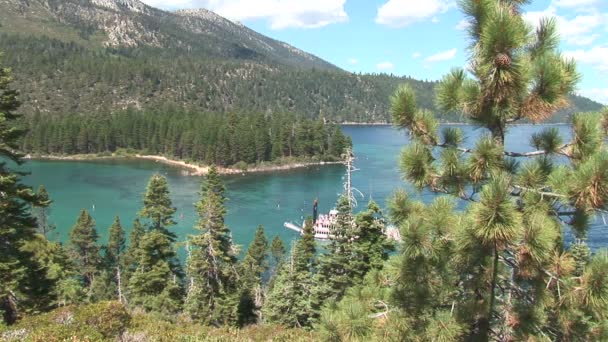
(191, 169)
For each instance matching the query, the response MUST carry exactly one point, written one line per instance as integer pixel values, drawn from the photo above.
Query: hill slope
(91, 56)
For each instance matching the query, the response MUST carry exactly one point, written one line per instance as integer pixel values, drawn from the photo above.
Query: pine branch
(540, 192)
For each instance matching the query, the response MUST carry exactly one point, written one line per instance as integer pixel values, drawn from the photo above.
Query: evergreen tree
(130, 258)
(212, 295)
(336, 272)
(253, 266)
(24, 283)
(158, 207)
(114, 257)
(155, 285)
(290, 299)
(116, 244)
(84, 248)
(42, 211)
(277, 251)
(511, 271)
(371, 247)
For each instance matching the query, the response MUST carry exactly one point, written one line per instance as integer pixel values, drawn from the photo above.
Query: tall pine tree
(84, 249)
(336, 272)
(158, 208)
(23, 279)
(212, 295)
(42, 211)
(513, 269)
(251, 270)
(290, 300)
(155, 285)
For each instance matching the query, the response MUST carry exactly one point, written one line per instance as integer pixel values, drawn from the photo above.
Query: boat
(322, 224)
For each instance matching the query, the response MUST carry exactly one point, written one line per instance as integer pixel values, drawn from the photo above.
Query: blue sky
(423, 39)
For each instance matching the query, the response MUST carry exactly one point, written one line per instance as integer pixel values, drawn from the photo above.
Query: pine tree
(158, 207)
(307, 248)
(130, 258)
(115, 256)
(84, 248)
(290, 299)
(277, 251)
(336, 272)
(42, 211)
(508, 252)
(155, 285)
(116, 244)
(251, 269)
(24, 283)
(371, 247)
(212, 295)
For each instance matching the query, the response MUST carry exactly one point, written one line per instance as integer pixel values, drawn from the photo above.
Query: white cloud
(442, 56)
(280, 13)
(416, 55)
(463, 25)
(385, 66)
(353, 61)
(596, 56)
(575, 3)
(578, 30)
(400, 13)
(597, 94)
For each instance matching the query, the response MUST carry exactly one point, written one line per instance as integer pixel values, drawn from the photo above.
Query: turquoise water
(109, 188)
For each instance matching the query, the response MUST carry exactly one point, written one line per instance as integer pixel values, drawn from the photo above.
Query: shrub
(109, 318)
(93, 322)
(241, 166)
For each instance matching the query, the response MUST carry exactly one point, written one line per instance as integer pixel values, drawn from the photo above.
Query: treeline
(208, 138)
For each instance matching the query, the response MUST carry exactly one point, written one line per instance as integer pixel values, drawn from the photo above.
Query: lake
(114, 187)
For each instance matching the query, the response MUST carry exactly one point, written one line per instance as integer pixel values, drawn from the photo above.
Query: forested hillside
(69, 57)
(218, 139)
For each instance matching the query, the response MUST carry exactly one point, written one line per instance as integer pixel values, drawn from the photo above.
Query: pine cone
(502, 60)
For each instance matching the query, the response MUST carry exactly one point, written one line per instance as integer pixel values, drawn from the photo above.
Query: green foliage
(24, 282)
(212, 294)
(157, 206)
(116, 244)
(41, 211)
(84, 249)
(290, 300)
(108, 321)
(336, 271)
(228, 140)
(96, 322)
(155, 284)
(253, 266)
(502, 265)
(277, 249)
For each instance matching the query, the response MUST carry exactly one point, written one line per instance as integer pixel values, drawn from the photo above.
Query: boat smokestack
(315, 211)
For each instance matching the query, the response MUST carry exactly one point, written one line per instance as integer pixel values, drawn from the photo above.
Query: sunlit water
(109, 188)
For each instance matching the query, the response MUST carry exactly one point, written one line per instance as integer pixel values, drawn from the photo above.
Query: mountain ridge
(90, 56)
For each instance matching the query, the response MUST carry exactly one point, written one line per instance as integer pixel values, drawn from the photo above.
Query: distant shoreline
(447, 123)
(193, 169)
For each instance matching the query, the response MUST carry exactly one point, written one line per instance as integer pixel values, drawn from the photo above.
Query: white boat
(321, 227)
(322, 224)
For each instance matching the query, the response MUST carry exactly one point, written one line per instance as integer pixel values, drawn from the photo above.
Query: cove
(108, 188)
